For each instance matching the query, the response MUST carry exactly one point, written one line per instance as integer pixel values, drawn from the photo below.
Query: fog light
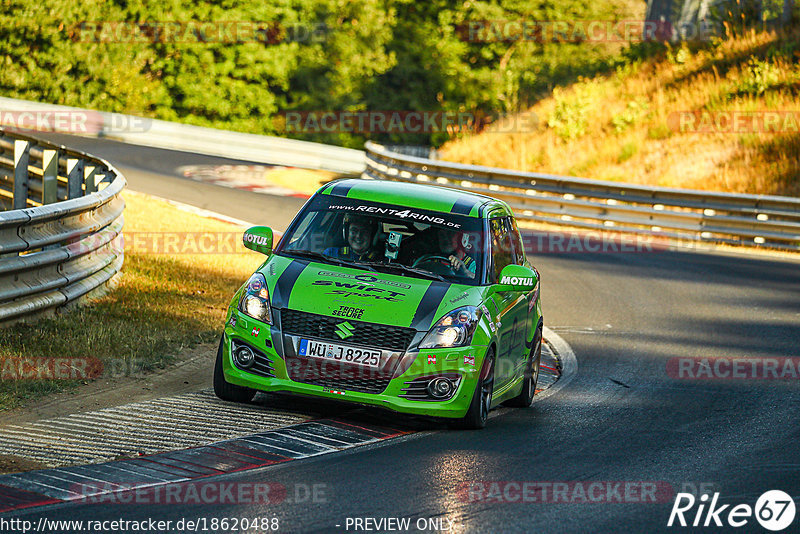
(440, 388)
(244, 357)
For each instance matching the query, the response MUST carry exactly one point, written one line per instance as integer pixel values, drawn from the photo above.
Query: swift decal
(360, 290)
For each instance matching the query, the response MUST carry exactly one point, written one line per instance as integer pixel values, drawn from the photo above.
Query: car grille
(262, 366)
(368, 334)
(336, 375)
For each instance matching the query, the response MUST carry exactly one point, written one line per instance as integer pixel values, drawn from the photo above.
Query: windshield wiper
(310, 254)
(407, 269)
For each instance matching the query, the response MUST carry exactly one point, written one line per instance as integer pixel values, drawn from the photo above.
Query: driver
(451, 245)
(360, 232)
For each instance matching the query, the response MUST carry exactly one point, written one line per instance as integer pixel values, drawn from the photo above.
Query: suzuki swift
(415, 298)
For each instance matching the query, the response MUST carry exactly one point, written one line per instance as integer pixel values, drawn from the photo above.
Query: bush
(758, 77)
(634, 110)
(571, 114)
(627, 151)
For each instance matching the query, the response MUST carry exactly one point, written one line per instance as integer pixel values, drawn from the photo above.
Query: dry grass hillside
(719, 116)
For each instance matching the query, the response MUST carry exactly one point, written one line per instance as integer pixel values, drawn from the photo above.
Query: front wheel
(478, 412)
(225, 390)
(525, 398)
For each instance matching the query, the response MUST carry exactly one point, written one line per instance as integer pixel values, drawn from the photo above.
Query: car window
(516, 242)
(502, 249)
(404, 241)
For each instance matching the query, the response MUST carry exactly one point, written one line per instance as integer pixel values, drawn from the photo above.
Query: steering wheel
(435, 263)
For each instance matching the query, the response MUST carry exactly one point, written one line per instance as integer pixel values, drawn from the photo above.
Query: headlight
(255, 299)
(453, 330)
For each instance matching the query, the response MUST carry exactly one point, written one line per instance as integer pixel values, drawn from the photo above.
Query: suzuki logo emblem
(344, 330)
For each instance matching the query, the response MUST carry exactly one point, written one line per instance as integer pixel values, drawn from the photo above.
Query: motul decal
(257, 239)
(516, 280)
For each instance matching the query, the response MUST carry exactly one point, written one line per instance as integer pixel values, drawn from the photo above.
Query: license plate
(340, 353)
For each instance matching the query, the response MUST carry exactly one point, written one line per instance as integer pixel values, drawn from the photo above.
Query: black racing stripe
(284, 285)
(275, 334)
(423, 317)
(462, 206)
(341, 190)
(280, 299)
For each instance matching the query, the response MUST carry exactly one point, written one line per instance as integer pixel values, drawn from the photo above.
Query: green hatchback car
(411, 297)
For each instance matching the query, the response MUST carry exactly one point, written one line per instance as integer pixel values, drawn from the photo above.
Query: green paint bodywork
(508, 323)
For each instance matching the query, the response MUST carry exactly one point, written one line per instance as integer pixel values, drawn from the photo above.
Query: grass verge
(165, 302)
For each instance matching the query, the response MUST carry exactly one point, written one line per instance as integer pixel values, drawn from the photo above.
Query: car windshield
(385, 238)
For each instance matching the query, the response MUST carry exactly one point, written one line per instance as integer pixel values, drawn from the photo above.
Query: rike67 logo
(774, 510)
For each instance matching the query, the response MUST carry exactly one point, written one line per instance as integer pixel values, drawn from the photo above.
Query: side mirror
(517, 278)
(259, 239)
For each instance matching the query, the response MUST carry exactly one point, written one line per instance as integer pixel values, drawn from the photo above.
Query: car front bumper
(463, 363)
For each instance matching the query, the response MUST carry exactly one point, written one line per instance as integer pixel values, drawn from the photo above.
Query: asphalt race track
(628, 417)
(155, 171)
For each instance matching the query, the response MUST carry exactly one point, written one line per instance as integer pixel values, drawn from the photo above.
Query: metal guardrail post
(74, 178)
(89, 175)
(22, 154)
(49, 176)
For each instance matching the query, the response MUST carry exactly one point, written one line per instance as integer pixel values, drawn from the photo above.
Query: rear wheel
(478, 412)
(525, 398)
(225, 390)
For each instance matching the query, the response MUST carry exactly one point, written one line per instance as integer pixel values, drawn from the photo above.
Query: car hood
(361, 295)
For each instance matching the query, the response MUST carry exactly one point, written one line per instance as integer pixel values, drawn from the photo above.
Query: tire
(525, 398)
(225, 390)
(478, 412)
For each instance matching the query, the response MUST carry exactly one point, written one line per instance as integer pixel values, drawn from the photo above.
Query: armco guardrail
(61, 228)
(186, 138)
(754, 220)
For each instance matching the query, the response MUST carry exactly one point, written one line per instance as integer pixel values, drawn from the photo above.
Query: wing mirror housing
(517, 278)
(259, 239)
